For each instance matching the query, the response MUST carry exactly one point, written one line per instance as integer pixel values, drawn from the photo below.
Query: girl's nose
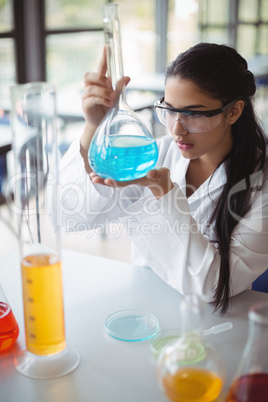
(179, 128)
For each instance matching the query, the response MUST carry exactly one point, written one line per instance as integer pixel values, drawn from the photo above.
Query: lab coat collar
(212, 184)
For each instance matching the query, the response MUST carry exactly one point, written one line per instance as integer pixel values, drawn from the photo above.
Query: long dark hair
(222, 73)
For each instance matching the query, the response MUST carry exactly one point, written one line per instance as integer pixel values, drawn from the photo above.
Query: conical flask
(190, 369)
(251, 380)
(122, 147)
(33, 122)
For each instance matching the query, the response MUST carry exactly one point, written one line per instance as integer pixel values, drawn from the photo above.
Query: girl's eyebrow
(186, 107)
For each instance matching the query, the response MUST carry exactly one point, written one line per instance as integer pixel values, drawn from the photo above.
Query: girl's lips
(184, 145)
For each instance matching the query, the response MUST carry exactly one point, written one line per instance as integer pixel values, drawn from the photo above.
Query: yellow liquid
(43, 304)
(192, 384)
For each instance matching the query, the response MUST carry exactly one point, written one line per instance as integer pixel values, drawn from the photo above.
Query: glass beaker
(33, 122)
(190, 369)
(122, 147)
(9, 329)
(251, 380)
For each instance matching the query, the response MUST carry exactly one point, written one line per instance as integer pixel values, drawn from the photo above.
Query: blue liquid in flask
(123, 157)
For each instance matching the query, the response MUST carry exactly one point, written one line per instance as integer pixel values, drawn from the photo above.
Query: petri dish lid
(132, 325)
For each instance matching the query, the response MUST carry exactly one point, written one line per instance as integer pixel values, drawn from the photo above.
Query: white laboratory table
(110, 370)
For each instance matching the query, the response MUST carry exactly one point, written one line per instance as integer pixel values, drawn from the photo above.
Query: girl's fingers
(102, 92)
(111, 183)
(92, 175)
(121, 83)
(101, 95)
(158, 174)
(102, 68)
(95, 101)
(151, 174)
(96, 85)
(97, 79)
(96, 179)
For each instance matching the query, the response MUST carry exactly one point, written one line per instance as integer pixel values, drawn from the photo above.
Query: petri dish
(162, 339)
(132, 325)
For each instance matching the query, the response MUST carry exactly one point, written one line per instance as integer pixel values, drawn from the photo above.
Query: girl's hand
(98, 96)
(157, 180)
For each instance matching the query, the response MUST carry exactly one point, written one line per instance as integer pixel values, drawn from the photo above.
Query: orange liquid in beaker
(9, 329)
(43, 304)
(193, 385)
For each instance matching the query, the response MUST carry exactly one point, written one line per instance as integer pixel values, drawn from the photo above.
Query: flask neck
(111, 26)
(190, 348)
(191, 315)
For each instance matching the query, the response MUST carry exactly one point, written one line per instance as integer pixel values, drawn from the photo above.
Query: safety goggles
(194, 121)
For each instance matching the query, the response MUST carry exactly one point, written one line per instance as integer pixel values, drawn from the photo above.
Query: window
(7, 49)
(137, 20)
(64, 37)
(242, 24)
(252, 28)
(59, 40)
(182, 26)
(73, 41)
(74, 38)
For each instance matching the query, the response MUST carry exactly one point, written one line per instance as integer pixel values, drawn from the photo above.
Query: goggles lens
(193, 122)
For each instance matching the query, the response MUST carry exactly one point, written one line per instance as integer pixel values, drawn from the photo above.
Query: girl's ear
(235, 111)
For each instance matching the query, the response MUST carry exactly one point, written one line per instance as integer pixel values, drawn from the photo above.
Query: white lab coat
(171, 235)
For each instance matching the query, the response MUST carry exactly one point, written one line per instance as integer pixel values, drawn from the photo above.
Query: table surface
(110, 370)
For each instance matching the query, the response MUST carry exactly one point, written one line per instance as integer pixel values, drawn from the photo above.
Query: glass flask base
(46, 367)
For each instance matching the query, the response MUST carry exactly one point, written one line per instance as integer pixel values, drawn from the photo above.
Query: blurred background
(59, 40)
